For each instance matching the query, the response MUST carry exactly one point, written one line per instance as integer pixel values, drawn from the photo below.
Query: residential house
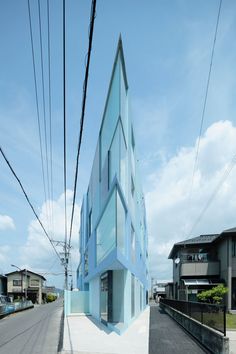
(113, 236)
(203, 262)
(3, 285)
(25, 284)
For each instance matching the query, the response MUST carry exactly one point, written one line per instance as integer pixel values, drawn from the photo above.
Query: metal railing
(211, 315)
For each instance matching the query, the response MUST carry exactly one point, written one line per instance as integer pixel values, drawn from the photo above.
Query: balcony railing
(200, 268)
(197, 257)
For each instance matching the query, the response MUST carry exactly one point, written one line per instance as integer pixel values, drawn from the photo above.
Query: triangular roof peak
(120, 54)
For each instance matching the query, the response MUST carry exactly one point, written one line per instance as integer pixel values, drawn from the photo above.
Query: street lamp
(13, 265)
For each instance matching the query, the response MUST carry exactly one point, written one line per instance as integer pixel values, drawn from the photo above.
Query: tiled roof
(193, 241)
(229, 230)
(199, 239)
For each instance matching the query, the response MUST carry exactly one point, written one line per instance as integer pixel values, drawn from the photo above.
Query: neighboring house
(203, 262)
(159, 290)
(25, 284)
(113, 236)
(3, 285)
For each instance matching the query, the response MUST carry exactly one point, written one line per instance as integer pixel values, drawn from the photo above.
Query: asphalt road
(32, 331)
(167, 337)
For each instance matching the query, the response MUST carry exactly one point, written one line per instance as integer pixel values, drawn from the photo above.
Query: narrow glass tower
(113, 236)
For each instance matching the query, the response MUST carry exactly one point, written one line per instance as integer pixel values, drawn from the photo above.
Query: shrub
(51, 297)
(214, 295)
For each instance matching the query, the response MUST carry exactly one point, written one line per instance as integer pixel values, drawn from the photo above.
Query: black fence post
(224, 314)
(201, 307)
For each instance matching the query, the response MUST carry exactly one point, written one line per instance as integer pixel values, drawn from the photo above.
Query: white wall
(94, 297)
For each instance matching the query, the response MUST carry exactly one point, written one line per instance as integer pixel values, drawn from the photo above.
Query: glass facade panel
(132, 295)
(114, 157)
(124, 108)
(106, 230)
(132, 245)
(111, 114)
(86, 263)
(121, 221)
(123, 164)
(79, 301)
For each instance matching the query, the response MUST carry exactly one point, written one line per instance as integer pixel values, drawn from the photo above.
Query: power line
(37, 103)
(91, 29)
(64, 130)
(27, 198)
(216, 190)
(205, 101)
(43, 90)
(50, 113)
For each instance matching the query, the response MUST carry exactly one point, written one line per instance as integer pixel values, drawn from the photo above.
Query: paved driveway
(167, 337)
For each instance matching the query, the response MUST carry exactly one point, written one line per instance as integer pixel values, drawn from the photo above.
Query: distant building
(25, 284)
(159, 290)
(203, 262)
(3, 285)
(113, 236)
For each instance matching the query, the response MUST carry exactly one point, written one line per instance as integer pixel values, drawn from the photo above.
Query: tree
(214, 295)
(51, 297)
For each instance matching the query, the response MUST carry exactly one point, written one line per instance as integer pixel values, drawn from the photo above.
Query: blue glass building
(113, 236)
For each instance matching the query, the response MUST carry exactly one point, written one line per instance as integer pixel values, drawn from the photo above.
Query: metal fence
(211, 315)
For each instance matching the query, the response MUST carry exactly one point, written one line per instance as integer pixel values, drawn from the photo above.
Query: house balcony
(200, 268)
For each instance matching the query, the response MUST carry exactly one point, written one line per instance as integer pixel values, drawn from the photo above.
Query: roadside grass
(230, 321)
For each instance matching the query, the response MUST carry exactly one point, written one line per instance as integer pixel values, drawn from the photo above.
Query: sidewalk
(232, 341)
(167, 337)
(83, 334)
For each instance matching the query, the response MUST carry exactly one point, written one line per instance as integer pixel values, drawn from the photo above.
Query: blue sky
(167, 45)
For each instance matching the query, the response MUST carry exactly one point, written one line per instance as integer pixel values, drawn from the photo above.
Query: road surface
(32, 331)
(167, 337)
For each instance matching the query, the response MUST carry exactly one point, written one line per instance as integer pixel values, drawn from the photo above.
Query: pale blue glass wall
(114, 209)
(106, 230)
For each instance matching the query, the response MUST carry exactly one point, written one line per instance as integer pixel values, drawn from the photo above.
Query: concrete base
(215, 342)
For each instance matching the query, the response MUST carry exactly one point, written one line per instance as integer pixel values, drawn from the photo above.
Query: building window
(86, 263)
(17, 282)
(114, 157)
(132, 138)
(106, 230)
(118, 159)
(133, 251)
(121, 221)
(90, 226)
(233, 248)
(34, 282)
(132, 186)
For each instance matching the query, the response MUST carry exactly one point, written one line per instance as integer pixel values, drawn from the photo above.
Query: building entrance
(106, 297)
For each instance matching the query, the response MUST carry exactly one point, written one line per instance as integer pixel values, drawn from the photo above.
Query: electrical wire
(50, 116)
(37, 103)
(205, 102)
(216, 190)
(64, 119)
(27, 198)
(91, 30)
(44, 105)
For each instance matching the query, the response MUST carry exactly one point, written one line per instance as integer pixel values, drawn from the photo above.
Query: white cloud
(6, 222)
(170, 213)
(37, 254)
(4, 250)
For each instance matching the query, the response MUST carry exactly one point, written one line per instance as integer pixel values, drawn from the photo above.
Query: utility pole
(21, 273)
(64, 259)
